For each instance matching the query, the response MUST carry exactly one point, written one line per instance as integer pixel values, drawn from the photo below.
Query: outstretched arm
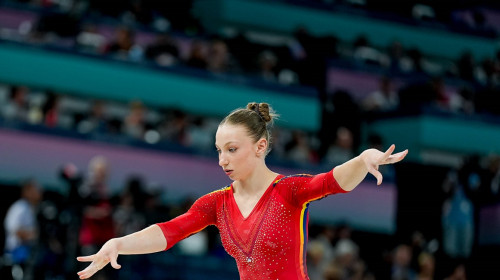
(352, 172)
(148, 240)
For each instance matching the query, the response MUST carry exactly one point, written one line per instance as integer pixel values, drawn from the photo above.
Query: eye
(218, 151)
(232, 150)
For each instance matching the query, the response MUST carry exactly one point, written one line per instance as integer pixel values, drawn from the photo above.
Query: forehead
(230, 133)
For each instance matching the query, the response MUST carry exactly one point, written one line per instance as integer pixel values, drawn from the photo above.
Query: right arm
(155, 238)
(148, 240)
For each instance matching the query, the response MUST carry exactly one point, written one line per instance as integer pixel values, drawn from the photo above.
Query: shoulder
(16, 211)
(19, 205)
(211, 199)
(220, 191)
(293, 179)
(216, 194)
(289, 186)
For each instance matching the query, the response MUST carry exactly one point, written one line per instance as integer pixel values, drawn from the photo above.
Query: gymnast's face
(238, 153)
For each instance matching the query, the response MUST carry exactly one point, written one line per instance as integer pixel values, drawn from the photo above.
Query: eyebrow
(230, 142)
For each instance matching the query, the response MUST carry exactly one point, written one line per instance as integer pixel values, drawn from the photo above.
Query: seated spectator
(401, 269)
(90, 40)
(279, 139)
(398, 60)
(175, 128)
(16, 108)
(347, 255)
(297, 149)
(21, 227)
(219, 59)
(197, 55)
(267, 62)
(163, 51)
(427, 265)
(200, 135)
(124, 47)
(50, 110)
(458, 273)
(332, 272)
(438, 90)
(95, 121)
(134, 124)
(342, 148)
(488, 73)
(320, 253)
(463, 101)
(382, 99)
(128, 216)
(315, 260)
(365, 53)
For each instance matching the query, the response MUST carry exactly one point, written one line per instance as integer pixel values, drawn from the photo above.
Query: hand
(107, 254)
(373, 158)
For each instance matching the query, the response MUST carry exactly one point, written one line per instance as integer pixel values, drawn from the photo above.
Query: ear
(261, 147)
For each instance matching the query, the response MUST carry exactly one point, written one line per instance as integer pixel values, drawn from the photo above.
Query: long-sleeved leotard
(269, 243)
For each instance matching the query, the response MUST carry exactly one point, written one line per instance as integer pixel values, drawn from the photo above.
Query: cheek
(242, 158)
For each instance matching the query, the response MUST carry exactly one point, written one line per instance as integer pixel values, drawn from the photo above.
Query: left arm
(352, 172)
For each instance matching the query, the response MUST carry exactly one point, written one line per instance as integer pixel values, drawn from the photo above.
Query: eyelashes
(231, 150)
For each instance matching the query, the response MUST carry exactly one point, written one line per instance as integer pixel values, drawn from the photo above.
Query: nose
(222, 160)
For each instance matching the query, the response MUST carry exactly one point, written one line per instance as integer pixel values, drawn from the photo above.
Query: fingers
(96, 265)
(86, 258)
(401, 155)
(377, 175)
(388, 152)
(115, 264)
(88, 272)
(397, 157)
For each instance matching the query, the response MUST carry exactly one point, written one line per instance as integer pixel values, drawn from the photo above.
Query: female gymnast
(262, 216)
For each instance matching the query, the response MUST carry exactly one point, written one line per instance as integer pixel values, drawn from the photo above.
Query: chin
(235, 177)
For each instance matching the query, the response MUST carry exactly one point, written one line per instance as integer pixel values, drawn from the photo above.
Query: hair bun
(263, 109)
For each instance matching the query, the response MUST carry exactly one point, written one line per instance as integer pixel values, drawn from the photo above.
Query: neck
(257, 182)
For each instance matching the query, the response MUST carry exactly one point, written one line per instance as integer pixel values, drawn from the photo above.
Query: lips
(228, 171)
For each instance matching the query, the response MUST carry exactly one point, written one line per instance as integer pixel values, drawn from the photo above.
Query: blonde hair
(257, 118)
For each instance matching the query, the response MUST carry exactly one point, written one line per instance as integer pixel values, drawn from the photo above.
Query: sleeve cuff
(334, 185)
(167, 230)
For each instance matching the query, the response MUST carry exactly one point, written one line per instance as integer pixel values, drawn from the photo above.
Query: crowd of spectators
(45, 230)
(134, 122)
(152, 33)
(166, 34)
(127, 31)
(465, 191)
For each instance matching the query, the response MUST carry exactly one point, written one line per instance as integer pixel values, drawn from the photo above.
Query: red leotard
(268, 244)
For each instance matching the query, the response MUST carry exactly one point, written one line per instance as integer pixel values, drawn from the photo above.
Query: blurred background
(108, 111)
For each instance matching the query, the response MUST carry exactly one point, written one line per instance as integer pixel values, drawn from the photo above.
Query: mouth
(228, 171)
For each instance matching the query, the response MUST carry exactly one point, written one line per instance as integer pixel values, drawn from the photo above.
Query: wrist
(117, 244)
(364, 158)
